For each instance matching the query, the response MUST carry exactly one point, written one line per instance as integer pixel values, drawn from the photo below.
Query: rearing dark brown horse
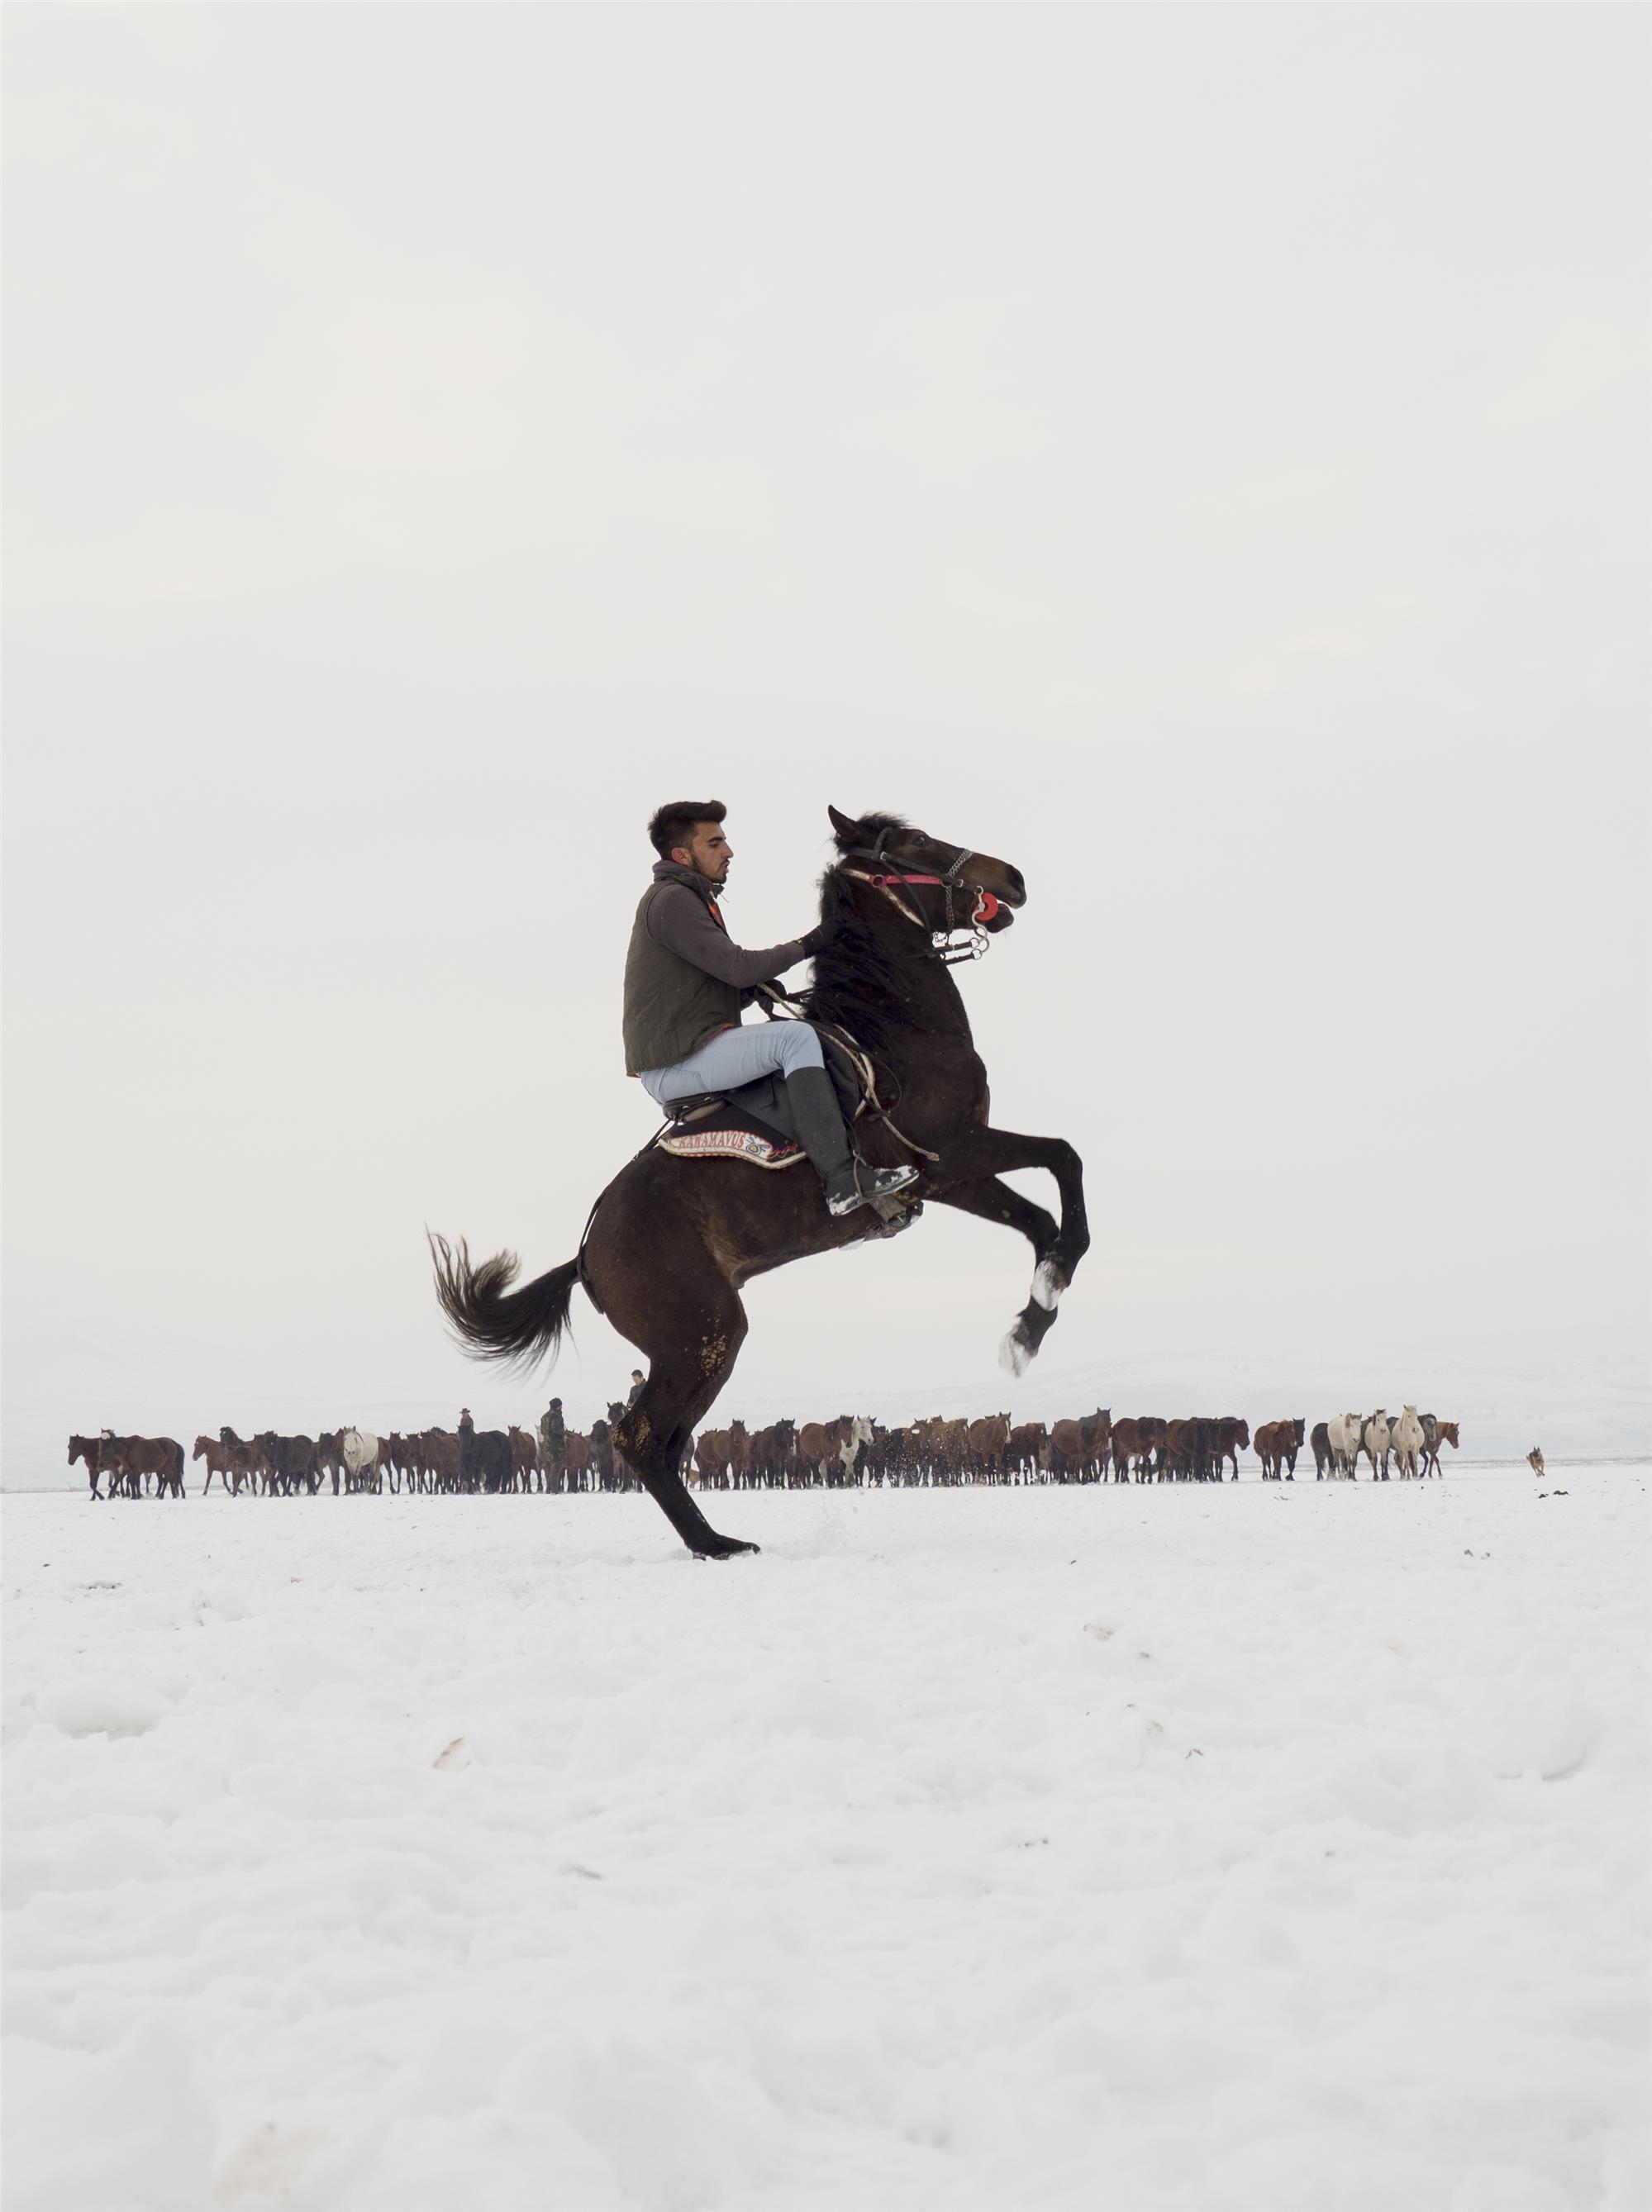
(672, 1241)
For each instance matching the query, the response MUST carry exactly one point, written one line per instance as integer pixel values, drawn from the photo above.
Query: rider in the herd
(686, 982)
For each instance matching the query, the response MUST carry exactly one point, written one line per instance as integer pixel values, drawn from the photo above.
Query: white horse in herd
(1345, 1431)
(1406, 1441)
(1411, 1443)
(1374, 1442)
(1403, 1439)
(859, 1434)
(359, 1451)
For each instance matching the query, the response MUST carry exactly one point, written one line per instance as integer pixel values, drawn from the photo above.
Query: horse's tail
(492, 1321)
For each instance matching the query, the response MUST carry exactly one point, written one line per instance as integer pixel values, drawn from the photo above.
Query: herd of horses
(429, 1461)
(850, 1452)
(1094, 1448)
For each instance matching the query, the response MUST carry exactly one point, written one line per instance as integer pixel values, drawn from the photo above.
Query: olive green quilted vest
(671, 1005)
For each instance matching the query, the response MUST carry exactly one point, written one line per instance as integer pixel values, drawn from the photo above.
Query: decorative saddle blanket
(753, 1122)
(704, 1142)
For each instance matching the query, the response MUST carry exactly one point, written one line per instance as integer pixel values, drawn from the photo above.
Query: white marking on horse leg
(1047, 1284)
(1015, 1354)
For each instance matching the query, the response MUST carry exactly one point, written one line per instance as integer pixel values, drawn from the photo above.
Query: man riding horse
(687, 983)
(672, 1240)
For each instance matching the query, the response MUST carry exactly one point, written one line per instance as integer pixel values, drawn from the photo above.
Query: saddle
(754, 1120)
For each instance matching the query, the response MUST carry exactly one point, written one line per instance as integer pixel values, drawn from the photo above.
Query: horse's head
(928, 868)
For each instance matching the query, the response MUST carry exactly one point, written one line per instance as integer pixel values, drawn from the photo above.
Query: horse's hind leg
(692, 1347)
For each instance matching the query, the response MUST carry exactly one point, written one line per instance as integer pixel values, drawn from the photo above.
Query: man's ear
(847, 829)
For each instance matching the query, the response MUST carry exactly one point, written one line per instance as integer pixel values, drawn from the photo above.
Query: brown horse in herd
(672, 1242)
(1078, 1449)
(1277, 1444)
(129, 1462)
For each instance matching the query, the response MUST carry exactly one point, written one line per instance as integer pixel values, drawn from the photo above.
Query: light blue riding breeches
(737, 1056)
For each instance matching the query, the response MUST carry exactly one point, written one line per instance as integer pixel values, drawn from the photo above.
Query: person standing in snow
(553, 1442)
(687, 983)
(635, 1390)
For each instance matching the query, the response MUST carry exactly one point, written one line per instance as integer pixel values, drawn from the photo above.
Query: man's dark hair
(674, 824)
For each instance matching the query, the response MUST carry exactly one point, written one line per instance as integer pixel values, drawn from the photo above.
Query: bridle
(894, 885)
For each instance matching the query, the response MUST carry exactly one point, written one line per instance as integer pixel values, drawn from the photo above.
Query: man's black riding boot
(849, 1182)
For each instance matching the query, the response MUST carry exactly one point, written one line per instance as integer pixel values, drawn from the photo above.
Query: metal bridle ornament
(886, 879)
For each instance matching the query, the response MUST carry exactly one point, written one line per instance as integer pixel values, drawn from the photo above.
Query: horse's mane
(869, 828)
(863, 981)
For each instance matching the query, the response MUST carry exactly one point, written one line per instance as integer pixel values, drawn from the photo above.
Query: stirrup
(867, 1185)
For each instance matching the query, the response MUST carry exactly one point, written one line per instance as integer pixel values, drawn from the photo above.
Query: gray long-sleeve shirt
(684, 925)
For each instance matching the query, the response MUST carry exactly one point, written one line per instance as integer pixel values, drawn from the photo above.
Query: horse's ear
(845, 828)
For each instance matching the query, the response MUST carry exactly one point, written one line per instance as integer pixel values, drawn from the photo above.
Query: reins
(853, 1051)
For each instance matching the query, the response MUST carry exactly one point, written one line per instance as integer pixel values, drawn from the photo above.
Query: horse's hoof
(724, 1547)
(1047, 1284)
(1015, 1354)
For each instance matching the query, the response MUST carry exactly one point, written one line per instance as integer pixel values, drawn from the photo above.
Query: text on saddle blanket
(732, 1144)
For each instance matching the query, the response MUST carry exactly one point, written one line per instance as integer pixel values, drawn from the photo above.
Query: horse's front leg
(992, 1200)
(972, 1167)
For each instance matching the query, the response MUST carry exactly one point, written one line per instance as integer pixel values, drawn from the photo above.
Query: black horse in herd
(672, 1240)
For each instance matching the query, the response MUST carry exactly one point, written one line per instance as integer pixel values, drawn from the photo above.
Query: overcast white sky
(1200, 455)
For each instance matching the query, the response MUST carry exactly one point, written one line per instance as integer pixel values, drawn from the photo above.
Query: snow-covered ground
(1262, 1847)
